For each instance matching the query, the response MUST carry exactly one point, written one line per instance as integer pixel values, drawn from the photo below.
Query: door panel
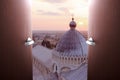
(104, 23)
(15, 57)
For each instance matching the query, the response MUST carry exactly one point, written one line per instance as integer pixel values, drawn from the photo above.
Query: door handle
(91, 42)
(29, 41)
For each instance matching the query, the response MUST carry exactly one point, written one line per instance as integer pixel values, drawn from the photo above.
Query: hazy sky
(56, 14)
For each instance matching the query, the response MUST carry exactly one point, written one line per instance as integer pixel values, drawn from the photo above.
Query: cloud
(41, 12)
(54, 1)
(64, 9)
(52, 13)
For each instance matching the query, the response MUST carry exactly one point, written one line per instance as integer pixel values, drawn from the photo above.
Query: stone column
(104, 28)
(15, 28)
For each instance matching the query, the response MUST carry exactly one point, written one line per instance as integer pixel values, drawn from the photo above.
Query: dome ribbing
(72, 43)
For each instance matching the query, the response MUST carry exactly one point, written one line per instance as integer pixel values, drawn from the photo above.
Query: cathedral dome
(71, 50)
(72, 43)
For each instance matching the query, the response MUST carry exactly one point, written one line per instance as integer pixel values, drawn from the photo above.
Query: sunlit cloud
(54, 1)
(40, 11)
(67, 7)
(63, 9)
(50, 13)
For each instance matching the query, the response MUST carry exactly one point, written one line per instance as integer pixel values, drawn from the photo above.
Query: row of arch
(70, 60)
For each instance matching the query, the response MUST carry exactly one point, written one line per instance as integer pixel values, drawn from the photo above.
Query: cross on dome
(72, 17)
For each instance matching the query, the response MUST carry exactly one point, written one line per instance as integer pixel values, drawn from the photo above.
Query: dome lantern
(72, 24)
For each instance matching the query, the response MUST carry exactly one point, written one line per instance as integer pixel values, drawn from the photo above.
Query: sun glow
(80, 23)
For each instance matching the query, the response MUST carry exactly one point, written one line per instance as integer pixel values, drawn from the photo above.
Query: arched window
(81, 59)
(65, 58)
(84, 58)
(71, 58)
(55, 68)
(75, 59)
(68, 58)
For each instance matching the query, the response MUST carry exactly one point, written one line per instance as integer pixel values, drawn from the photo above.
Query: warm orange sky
(56, 14)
